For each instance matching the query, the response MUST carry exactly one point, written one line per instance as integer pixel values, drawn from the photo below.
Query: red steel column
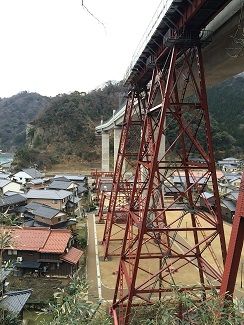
(123, 175)
(235, 248)
(155, 256)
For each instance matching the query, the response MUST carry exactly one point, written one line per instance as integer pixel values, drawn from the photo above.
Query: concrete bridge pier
(117, 134)
(105, 151)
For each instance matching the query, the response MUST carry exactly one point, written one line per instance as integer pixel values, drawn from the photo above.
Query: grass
(43, 288)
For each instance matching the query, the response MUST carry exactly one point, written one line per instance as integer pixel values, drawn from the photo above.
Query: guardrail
(156, 19)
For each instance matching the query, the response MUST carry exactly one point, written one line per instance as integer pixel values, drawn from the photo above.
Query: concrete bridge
(220, 54)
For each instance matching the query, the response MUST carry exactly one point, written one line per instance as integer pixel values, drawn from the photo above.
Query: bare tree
(90, 13)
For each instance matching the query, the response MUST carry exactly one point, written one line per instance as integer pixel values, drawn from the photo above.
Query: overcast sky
(55, 46)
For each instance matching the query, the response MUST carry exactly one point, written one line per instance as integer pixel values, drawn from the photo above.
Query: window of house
(10, 252)
(55, 202)
(14, 252)
(59, 218)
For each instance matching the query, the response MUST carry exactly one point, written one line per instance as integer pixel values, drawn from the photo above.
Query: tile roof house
(72, 256)
(7, 185)
(27, 174)
(73, 178)
(37, 183)
(228, 209)
(63, 185)
(42, 249)
(43, 216)
(12, 301)
(12, 202)
(54, 198)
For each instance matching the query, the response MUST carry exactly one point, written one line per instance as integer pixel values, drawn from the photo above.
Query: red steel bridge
(165, 132)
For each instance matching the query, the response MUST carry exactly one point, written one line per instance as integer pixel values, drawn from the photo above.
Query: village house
(59, 184)
(104, 185)
(229, 182)
(72, 178)
(12, 202)
(43, 251)
(26, 175)
(200, 182)
(230, 164)
(7, 185)
(56, 199)
(207, 200)
(78, 180)
(228, 208)
(12, 301)
(37, 183)
(77, 191)
(41, 215)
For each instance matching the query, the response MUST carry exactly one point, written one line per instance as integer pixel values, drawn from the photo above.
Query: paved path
(97, 289)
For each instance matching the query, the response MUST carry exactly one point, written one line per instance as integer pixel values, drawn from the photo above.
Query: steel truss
(175, 143)
(99, 178)
(124, 173)
(235, 248)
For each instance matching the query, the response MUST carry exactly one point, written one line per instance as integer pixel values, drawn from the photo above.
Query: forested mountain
(15, 113)
(66, 127)
(226, 104)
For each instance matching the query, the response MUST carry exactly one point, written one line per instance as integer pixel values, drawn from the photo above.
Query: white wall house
(22, 177)
(26, 175)
(7, 185)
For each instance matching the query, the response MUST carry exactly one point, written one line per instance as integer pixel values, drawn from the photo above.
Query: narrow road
(96, 289)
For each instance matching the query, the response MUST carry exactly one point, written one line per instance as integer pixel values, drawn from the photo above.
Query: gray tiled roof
(4, 175)
(182, 180)
(207, 195)
(14, 301)
(46, 212)
(229, 205)
(74, 178)
(9, 193)
(4, 182)
(37, 181)
(82, 188)
(12, 199)
(32, 172)
(47, 194)
(42, 210)
(60, 184)
(233, 195)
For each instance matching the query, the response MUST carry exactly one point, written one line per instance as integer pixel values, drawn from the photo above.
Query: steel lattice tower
(235, 248)
(175, 166)
(124, 173)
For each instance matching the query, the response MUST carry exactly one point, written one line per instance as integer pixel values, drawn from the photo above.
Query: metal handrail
(156, 19)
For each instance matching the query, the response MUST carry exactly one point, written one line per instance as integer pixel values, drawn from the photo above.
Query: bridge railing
(156, 19)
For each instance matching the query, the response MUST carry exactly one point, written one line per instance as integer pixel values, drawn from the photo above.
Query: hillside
(64, 131)
(15, 113)
(226, 104)
(66, 128)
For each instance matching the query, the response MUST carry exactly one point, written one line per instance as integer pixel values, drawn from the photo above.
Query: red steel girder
(191, 10)
(152, 229)
(235, 248)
